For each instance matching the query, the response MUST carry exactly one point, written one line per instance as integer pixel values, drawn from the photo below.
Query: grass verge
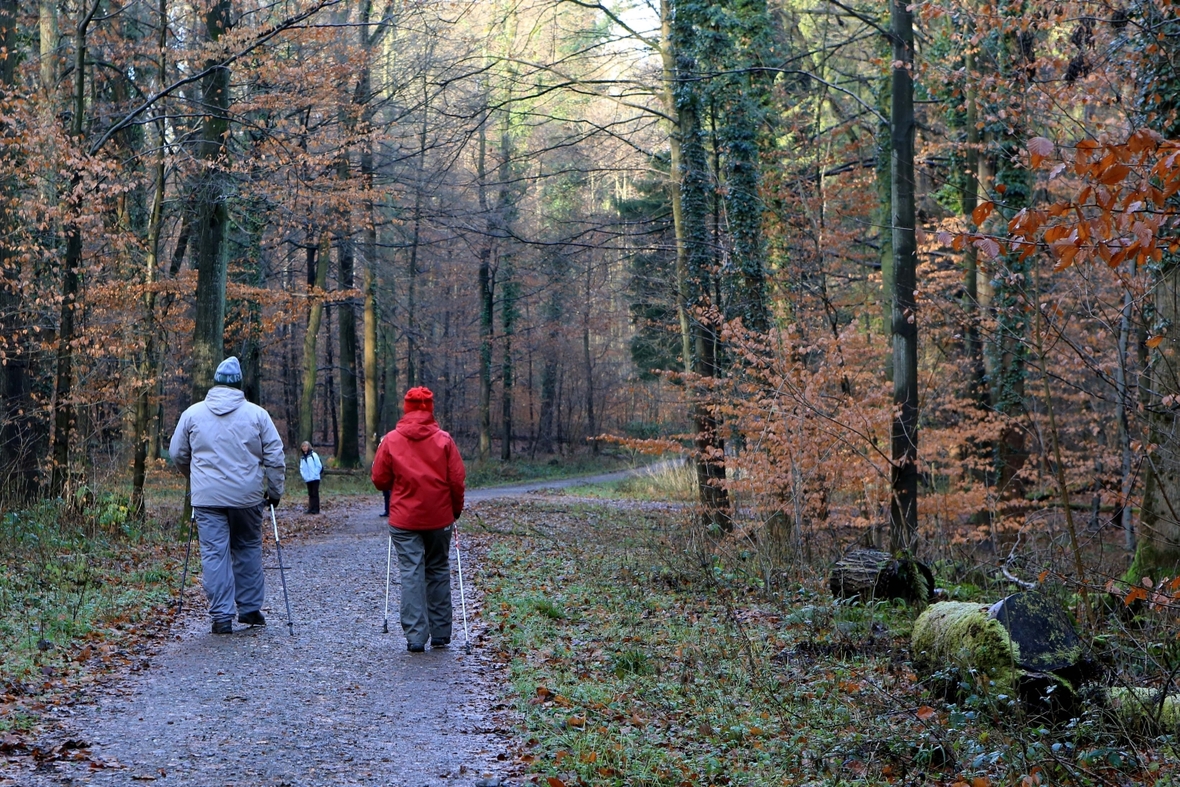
(638, 656)
(81, 593)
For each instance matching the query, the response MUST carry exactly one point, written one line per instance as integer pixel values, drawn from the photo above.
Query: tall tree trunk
(330, 383)
(145, 407)
(372, 397)
(1157, 550)
(668, 75)
(317, 272)
(884, 210)
(63, 419)
(486, 304)
(972, 344)
(509, 292)
(391, 401)
(1128, 479)
(903, 512)
(348, 449)
(18, 424)
(211, 211)
(694, 201)
(588, 361)
(1013, 185)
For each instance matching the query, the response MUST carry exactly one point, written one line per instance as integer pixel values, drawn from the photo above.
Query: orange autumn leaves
(1120, 204)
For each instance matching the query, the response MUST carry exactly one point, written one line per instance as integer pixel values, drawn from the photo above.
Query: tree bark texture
(486, 304)
(695, 190)
(1157, 552)
(872, 575)
(63, 407)
(19, 426)
(315, 316)
(903, 510)
(348, 449)
(211, 212)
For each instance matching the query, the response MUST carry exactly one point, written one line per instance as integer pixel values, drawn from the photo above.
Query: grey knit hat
(229, 372)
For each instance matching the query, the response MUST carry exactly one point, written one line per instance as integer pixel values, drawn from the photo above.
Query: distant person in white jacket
(233, 457)
(310, 467)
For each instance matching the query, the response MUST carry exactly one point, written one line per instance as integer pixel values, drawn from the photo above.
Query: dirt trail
(340, 703)
(515, 490)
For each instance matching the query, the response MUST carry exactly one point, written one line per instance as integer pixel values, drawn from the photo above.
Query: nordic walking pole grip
(282, 571)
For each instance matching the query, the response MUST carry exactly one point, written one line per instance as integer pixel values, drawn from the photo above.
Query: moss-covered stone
(1141, 707)
(963, 636)
(1041, 631)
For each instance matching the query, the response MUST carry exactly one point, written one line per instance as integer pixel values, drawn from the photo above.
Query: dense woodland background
(899, 273)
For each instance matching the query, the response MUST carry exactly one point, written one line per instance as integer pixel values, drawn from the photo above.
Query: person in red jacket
(419, 464)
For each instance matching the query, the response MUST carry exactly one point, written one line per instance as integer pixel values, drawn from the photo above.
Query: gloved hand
(271, 500)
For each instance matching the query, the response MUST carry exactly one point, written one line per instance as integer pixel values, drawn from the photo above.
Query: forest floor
(613, 645)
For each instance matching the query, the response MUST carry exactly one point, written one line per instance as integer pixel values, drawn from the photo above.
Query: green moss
(961, 635)
(1141, 707)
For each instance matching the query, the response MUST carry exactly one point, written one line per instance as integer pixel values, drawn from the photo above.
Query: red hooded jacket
(420, 464)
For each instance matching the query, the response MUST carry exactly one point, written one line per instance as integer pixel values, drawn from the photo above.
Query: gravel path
(340, 703)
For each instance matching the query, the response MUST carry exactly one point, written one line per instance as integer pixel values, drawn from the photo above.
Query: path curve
(515, 490)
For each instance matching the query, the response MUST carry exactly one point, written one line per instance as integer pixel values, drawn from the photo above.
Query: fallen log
(1023, 646)
(871, 575)
(1144, 709)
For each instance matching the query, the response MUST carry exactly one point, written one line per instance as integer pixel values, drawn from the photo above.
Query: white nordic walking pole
(388, 564)
(462, 596)
(282, 571)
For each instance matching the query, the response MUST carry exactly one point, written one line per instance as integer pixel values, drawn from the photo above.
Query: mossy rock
(963, 636)
(1042, 634)
(1023, 647)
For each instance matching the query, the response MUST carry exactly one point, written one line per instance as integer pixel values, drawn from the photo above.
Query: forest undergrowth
(644, 652)
(84, 591)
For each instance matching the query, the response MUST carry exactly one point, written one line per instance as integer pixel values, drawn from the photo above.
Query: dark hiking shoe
(415, 647)
(252, 618)
(440, 642)
(223, 627)
(385, 515)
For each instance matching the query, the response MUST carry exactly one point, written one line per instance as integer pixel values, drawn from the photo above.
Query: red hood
(417, 425)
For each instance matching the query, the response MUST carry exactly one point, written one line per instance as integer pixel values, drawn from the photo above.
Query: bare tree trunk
(211, 212)
(486, 303)
(903, 512)
(18, 430)
(668, 65)
(588, 363)
(315, 316)
(695, 242)
(508, 316)
(372, 410)
(63, 406)
(1128, 480)
(348, 449)
(149, 364)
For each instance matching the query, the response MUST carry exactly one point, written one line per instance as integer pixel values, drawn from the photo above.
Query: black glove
(271, 500)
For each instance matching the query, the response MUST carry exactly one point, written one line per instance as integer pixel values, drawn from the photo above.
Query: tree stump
(1023, 646)
(869, 575)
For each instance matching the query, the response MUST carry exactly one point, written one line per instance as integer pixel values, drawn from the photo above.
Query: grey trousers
(423, 557)
(231, 559)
